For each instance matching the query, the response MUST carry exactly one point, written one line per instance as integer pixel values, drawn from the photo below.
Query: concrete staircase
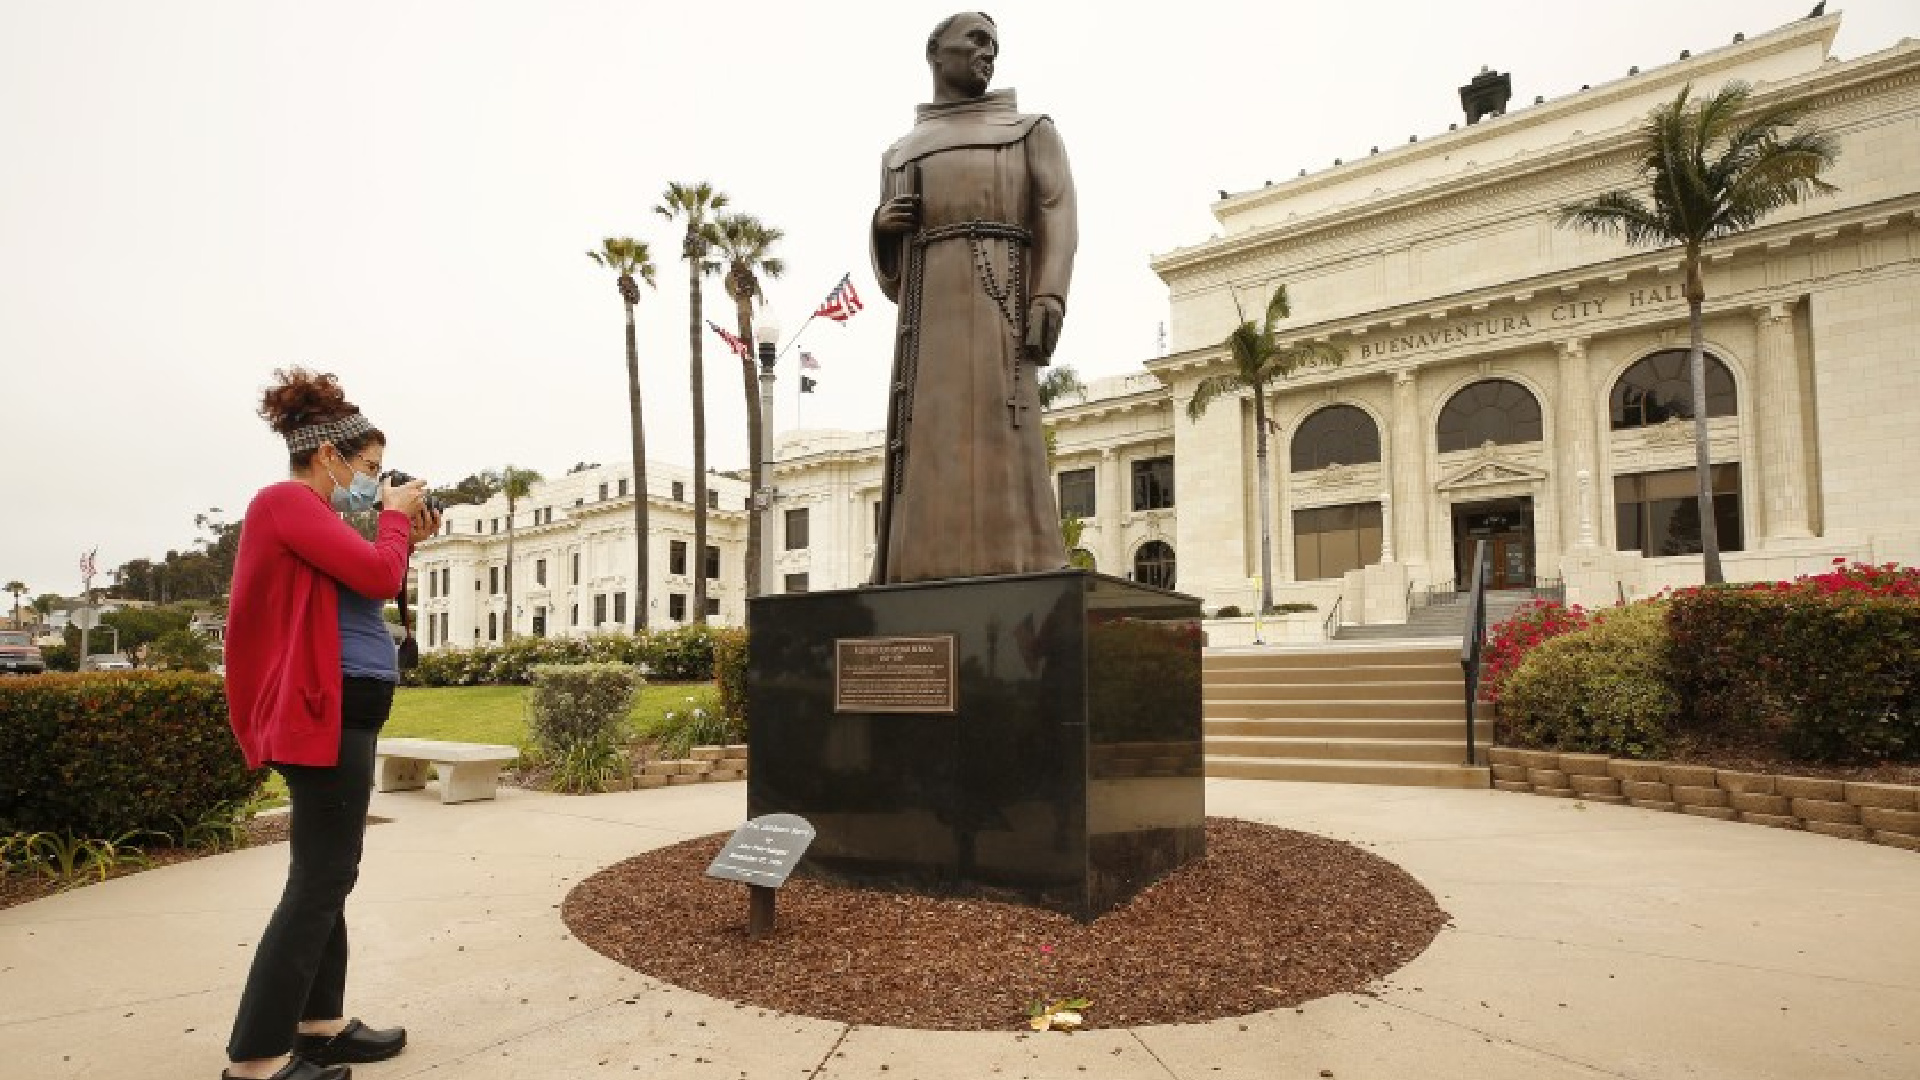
(1447, 619)
(1347, 714)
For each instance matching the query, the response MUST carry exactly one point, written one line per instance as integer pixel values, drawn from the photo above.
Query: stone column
(1575, 437)
(1409, 470)
(1783, 454)
(1110, 509)
(1212, 473)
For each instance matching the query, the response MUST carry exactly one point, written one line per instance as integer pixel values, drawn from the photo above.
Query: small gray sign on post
(761, 853)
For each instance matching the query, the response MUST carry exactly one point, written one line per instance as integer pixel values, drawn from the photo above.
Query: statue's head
(960, 53)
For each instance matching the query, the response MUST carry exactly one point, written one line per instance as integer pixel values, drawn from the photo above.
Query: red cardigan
(283, 620)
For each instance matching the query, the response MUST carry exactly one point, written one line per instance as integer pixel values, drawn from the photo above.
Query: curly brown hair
(301, 398)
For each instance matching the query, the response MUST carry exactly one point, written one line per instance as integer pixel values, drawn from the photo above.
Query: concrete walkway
(1593, 941)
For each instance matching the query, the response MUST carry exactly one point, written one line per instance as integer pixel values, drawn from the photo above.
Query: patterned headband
(351, 426)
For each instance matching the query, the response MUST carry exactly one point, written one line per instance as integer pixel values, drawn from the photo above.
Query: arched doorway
(1153, 564)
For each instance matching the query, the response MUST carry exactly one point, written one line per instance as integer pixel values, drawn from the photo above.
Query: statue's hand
(1044, 316)
(898, 214)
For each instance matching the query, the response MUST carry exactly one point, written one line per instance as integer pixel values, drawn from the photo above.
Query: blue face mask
(361, 494)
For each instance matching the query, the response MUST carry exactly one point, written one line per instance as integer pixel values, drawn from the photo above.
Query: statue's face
(962, 58)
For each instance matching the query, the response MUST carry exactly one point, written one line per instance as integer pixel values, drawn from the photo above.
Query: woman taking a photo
(311, 670)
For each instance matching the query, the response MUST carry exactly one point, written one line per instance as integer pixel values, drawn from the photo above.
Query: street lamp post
(767, 337)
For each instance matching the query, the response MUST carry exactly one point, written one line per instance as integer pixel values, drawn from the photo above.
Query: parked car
(106, 662)
(19, 655)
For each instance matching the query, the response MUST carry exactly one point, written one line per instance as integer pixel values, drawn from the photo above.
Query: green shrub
(683, 654)
(1828, 665)
(590, 766)
(1604, 689)
(698, 722)
(1230, 611)
(107, 754)
(577, 704)
(730, 674)
(513, 662)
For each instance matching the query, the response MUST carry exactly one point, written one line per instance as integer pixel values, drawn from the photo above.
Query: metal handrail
(1331, 624)
(1474, 638)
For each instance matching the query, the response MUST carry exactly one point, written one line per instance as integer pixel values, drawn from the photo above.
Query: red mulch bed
(1269, 918)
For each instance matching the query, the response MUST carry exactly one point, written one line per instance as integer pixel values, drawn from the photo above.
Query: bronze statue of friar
(974, 240)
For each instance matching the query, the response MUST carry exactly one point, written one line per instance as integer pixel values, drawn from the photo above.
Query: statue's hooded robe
(966, 489)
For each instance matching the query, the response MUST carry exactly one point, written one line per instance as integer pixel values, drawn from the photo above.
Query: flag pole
(795, 339)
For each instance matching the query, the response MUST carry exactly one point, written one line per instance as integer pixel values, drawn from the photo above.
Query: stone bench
(468, 771)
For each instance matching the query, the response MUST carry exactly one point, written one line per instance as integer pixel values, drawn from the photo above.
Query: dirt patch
(1269, 918)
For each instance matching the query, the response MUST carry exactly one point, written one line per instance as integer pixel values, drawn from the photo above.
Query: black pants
(300, 967)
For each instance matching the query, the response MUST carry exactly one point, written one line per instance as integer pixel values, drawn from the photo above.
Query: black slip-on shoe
(301, 1069)
(356, 1043)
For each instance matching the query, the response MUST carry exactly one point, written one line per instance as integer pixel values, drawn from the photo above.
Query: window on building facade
(576, 568)
(679, 491)
(713, 607)
(1076, 493)
(796, 583)
(623, 487)
(446, 581)
(1153, 564)
(539, 622)
(1153, 483)
(1658, 389)
(496, 525)
(713, 500)
(876, 519)
(797, 529)
(1498, 411)
(493, 626)
(576, 614)
(713, 562)
(620, 608)
(433, 583)
(479, 527)
(1328, 541)
(1335, 435)
(676, 556)
(493, 580)
(1658, 513)
(677, 607)
(539, 571)
(443, 628)
(603, 493)
(599, 609)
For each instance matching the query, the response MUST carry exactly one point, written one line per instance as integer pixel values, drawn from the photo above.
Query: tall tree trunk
(636, 422)
(697, 376)
(506, 623)
(1702, 451)
(750, 385)
(1266, 511)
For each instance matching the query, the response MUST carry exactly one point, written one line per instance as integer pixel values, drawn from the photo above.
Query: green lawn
(496, 714)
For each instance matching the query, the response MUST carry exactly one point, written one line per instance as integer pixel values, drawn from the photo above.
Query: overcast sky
(194, 193)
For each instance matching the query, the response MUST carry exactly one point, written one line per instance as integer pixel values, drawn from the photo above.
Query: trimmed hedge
(1829, 663)
(573, 705)
(684, 654)
(1604, 689)
(103, 754)
(730, 673)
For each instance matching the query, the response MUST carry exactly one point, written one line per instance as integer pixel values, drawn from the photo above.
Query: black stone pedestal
(1067, 774)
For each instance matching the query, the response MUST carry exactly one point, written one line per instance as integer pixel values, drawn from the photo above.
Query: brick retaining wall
(1882, 813)
(709, 764)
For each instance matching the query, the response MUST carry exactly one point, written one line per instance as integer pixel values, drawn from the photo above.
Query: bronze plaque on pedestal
(895, 675)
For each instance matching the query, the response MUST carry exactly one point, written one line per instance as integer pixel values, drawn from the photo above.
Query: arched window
(1499, 411)
(1657, 389)
(1153, 564)
(1336, 435)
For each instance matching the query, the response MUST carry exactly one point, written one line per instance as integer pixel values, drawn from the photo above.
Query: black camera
(396, 478)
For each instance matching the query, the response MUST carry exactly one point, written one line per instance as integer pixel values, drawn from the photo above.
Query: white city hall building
(1505, 380)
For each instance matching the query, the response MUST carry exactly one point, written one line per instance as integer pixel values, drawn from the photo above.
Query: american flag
(739, 347)
(808, 362)
(842, 303)
(87, 565)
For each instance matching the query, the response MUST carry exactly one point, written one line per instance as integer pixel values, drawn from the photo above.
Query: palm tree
(1258, 358)
(691, 204)
(515, 484)
(744, 244)
(18, 589)
(630, 259)
(1713, 167)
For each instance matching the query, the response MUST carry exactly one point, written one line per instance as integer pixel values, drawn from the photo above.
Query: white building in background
(1506, 380)
(574, 557)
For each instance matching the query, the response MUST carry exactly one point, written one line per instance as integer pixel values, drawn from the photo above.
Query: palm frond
(1277, 309)
(1211, 389)
(1616, 213)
